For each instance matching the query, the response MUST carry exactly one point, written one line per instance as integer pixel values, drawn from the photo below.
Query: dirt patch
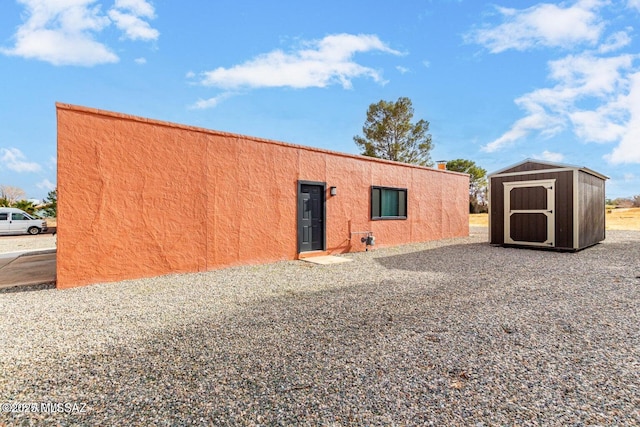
(478, 220)
(616, 219)
(623, 219)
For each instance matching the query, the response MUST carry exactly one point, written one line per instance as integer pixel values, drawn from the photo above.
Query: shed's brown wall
(563, 202)
(138, 198)
(592, 206)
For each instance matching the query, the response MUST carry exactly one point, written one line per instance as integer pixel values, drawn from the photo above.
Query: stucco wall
(138, 197)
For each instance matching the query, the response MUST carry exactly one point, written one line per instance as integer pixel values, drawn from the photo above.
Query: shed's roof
(551, 165)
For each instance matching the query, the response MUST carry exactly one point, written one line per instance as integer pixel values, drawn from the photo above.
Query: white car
(16, 221)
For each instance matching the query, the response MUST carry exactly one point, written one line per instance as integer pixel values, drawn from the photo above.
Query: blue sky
(498, 81)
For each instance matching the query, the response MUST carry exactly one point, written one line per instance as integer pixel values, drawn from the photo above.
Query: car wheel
(33, 230)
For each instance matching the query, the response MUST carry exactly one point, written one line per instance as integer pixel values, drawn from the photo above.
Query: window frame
(378, 209)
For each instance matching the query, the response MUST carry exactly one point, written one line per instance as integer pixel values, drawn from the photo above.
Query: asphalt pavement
(27, 268)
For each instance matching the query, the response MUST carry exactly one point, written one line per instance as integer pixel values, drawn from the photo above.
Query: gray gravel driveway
(454, 332)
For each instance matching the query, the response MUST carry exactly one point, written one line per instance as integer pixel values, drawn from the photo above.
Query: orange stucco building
(140, 197)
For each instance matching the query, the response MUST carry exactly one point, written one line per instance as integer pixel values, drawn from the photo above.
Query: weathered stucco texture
(139, 198)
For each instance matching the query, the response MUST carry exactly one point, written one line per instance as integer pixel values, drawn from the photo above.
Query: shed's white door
(529, 212)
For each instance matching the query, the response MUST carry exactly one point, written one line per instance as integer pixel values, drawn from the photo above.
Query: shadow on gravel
(323, 358)
(398, 350)
(388, 353)
(446, 259)
(28, 288)
(482, 258)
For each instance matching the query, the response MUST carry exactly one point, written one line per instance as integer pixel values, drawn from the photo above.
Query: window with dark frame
(388, 203)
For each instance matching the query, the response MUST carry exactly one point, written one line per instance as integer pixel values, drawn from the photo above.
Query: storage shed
(550, 205)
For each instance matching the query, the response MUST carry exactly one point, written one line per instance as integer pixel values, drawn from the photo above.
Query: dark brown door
(311, 218)
(529, 213)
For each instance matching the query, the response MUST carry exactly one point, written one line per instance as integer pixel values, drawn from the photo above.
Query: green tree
(51, 204)
(26, 206)
(477, 183)
(389, 134)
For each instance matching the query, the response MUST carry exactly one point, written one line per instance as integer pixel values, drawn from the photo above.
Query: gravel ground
(454, 332)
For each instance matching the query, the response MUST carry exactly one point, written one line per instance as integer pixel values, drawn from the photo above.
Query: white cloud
(140, 8)
(588, 75)
(581, 80)
(63, 32)
(318, 63)
(550, 156)
(60, 49)
(601, 125)
(616, 41)
(13, 159)
(128, 17)
(543, 25)
(140, 61)
(595, 96)
(536, 120)
(402, 70)
(628, 150)
(203, 104)
(629, 177)
(45, 184)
